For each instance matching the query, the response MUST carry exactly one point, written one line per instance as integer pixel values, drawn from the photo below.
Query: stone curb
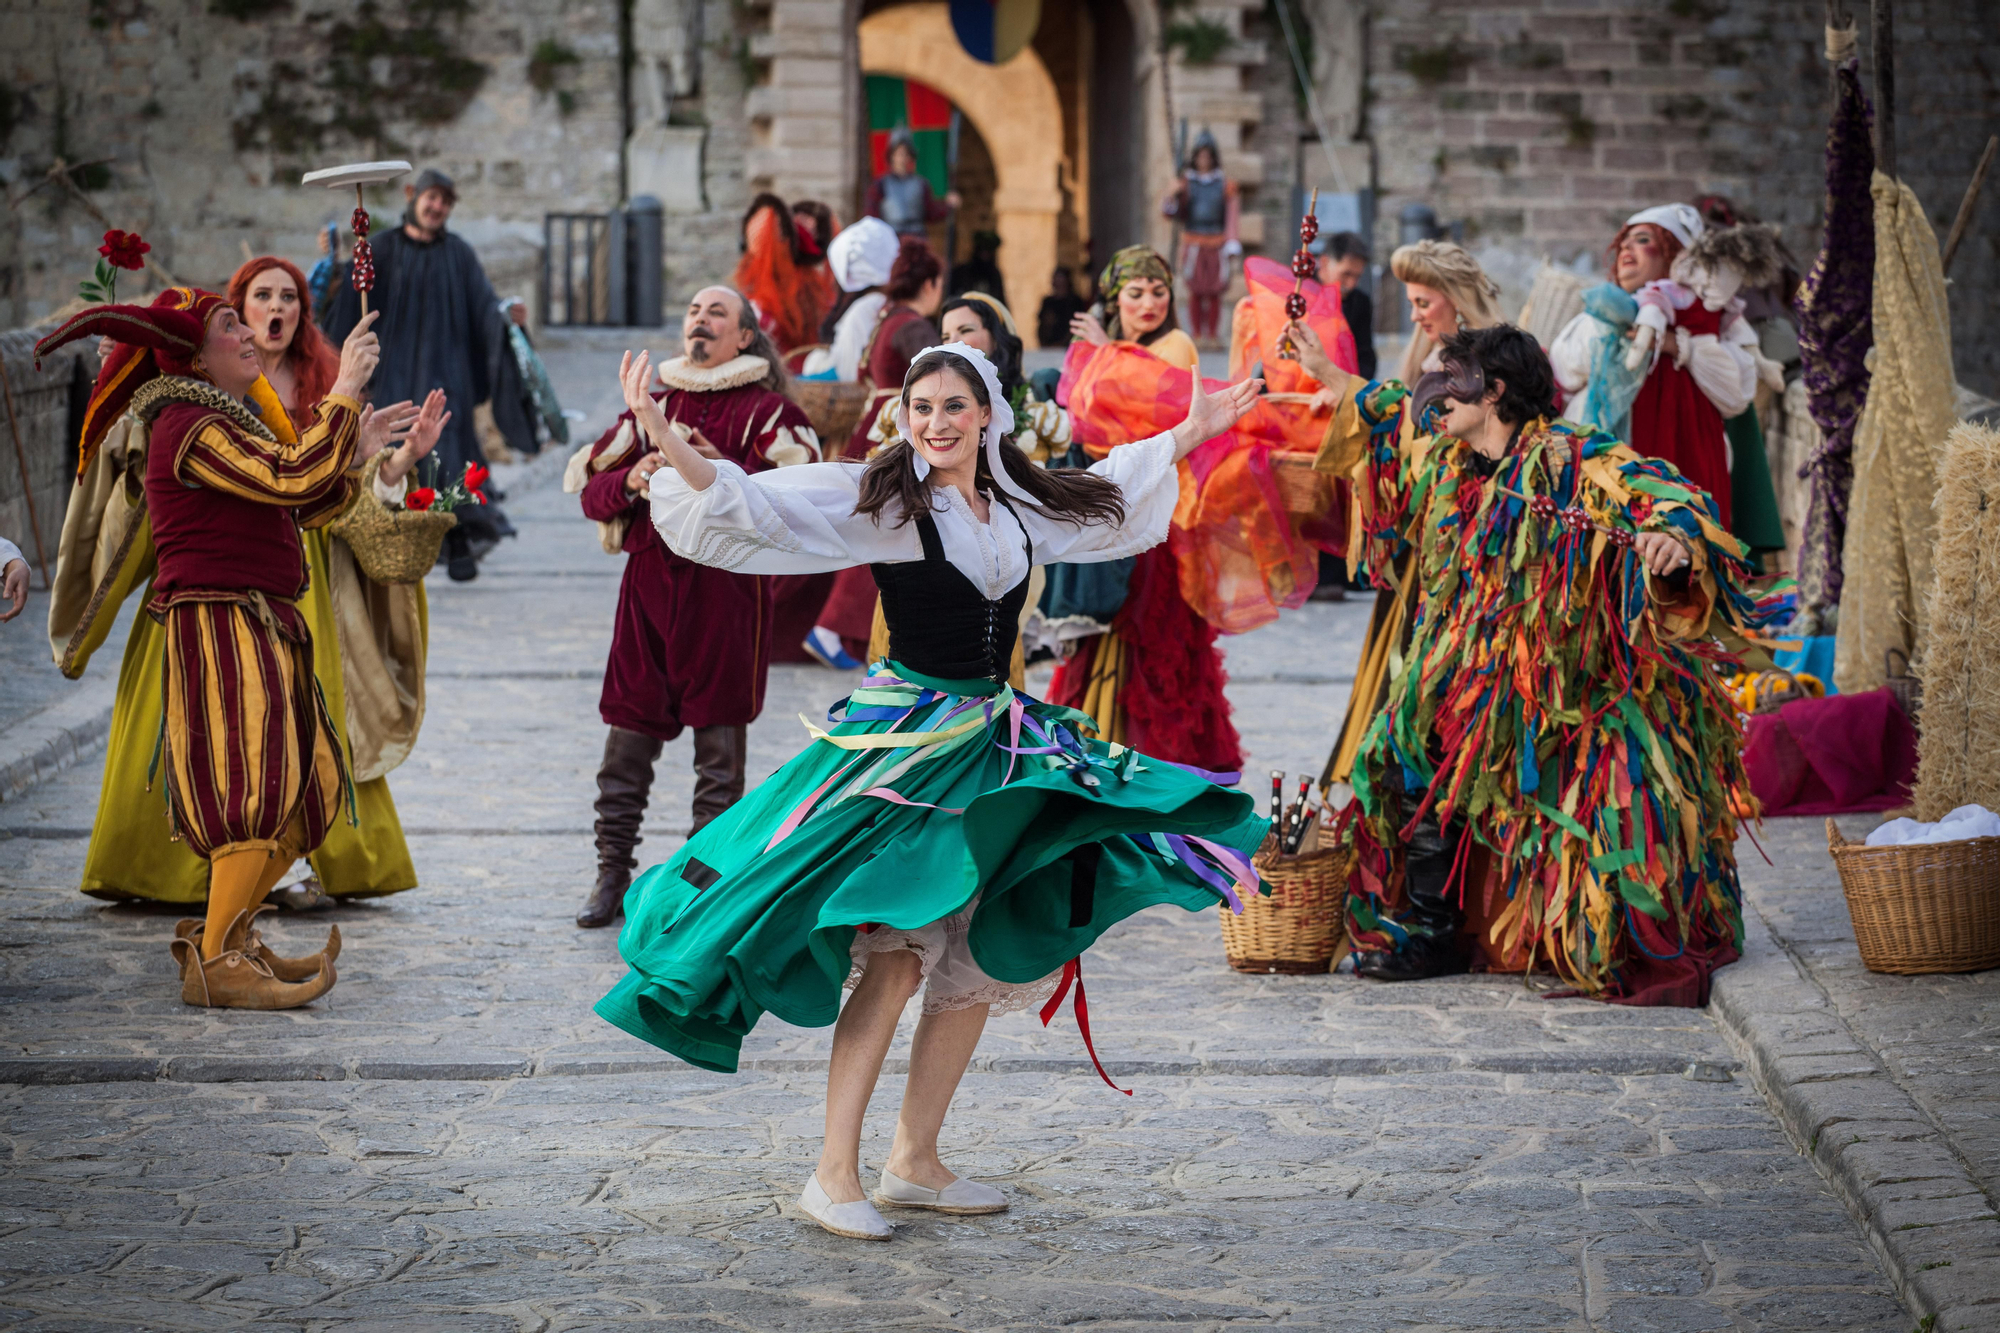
(54, 1070)
(45, 743)
(1934, 1229)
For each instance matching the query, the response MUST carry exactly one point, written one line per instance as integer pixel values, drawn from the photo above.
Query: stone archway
(1016, 111)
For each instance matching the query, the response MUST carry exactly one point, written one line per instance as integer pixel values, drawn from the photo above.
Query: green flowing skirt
(922, 794)
(1753, 499)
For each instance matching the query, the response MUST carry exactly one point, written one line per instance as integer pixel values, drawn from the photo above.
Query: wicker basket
(1301, 927)
(390, 545)
(1304, 490)
(1922, 907)
(834, 408)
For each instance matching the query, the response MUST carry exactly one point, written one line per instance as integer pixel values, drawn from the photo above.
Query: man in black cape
(440, 329)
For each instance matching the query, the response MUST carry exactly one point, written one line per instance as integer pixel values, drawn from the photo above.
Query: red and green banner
(927, 113)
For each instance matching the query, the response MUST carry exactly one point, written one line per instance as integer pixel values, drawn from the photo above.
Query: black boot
(623, 783)
(718, 772)
(1433, 948)
(459, 562)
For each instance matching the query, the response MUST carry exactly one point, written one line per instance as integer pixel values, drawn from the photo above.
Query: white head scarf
(862, 254)
(1682, 220)
(997, 430)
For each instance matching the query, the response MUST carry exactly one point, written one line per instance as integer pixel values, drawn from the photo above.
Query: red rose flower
(477, 497)
(420, 498)
(475, 477)
(124, 249)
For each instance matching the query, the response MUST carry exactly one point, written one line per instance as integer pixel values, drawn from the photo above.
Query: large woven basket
(1304, 490)
(1300, 927)
(834, 408)
(1922, 907)
(390, 545)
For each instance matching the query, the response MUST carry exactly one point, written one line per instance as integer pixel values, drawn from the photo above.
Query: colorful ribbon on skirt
(885, 698)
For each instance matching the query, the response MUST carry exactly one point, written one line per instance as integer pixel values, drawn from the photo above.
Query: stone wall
(1541, 124)
(41, 417)
(203, 123)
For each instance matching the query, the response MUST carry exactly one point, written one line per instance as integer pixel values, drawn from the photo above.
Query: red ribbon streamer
(1072, 974)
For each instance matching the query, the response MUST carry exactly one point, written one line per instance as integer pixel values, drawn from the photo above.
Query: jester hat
(163, 338)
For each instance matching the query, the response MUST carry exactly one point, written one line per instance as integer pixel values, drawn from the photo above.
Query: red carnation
(124, 249)
(420, 498)
(475, 476)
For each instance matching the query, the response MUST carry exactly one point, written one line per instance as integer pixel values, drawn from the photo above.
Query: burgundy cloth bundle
(1844, 754)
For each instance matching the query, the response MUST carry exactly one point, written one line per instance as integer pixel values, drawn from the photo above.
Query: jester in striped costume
(1557, 704)
(252, 766)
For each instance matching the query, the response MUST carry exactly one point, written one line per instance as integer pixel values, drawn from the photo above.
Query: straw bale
(1958, 751)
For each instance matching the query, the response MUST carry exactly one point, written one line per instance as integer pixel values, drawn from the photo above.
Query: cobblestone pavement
(1891, 1083)
(451, 1139)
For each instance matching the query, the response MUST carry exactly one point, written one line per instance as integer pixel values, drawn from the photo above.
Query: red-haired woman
(271, 296)
(1702, 372)
(375, 695)
(783, 270)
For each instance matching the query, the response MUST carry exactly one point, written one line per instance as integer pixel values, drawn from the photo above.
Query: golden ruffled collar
(155, 395)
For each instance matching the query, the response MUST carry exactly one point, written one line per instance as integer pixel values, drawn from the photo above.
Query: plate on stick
(359, 174)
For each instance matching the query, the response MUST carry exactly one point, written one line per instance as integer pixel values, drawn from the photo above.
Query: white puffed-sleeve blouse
(801, 520)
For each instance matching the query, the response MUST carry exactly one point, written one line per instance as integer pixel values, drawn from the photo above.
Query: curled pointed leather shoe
(607, 901)
(235, 980)
(251, 942)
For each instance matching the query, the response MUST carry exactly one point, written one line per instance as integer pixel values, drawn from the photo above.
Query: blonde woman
(1447, 291)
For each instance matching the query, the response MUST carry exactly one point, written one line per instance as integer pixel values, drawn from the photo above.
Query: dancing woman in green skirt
(942, 830)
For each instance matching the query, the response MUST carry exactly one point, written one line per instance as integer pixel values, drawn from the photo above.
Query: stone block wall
(1541, 124)
(203, 123)
(41, 419)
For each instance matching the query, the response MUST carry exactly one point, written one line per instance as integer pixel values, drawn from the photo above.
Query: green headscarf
(1134, 261)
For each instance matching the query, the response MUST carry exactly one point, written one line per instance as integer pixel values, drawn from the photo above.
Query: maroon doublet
(691, 644)
(248, 745)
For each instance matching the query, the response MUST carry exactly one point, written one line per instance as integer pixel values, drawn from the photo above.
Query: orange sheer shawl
(1249, 527)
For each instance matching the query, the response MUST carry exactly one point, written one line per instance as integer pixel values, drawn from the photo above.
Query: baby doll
(1698, 295)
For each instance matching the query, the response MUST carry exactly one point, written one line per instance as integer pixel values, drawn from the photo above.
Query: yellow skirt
(132, 854)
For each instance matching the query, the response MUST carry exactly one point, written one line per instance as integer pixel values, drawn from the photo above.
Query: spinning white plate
(356, 173)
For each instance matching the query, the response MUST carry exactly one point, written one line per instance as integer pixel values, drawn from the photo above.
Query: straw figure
(1958, 751)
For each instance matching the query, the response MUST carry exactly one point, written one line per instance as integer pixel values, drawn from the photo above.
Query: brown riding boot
(236, 980)
(623, 784)
(301, 968)
(718, 772)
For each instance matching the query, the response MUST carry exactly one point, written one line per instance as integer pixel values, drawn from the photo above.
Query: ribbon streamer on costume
(1072, 974)
(892, 740)
(901, 799)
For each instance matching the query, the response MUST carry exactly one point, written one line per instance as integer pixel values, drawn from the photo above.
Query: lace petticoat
(951, 979)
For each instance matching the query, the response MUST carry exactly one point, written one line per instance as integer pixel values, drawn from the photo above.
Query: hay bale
(1958, 753)
(1554, 300)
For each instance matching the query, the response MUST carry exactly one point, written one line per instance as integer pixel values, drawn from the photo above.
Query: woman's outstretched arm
(635, 375)
(1211, 414)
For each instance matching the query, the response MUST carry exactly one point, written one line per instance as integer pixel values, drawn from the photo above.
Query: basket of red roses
(400, 544)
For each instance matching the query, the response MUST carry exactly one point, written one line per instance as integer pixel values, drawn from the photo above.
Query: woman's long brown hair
(1070, 495)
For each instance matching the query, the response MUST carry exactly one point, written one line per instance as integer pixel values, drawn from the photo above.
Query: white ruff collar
(681, 373)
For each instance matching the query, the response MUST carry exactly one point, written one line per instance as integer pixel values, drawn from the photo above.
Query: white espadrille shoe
(961, 1196)
(856, 1221)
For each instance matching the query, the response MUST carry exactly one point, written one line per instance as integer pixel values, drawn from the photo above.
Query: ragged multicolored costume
(1563, 704)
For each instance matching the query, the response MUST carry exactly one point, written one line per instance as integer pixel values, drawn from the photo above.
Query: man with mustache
(691, 642)
(440, 329)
